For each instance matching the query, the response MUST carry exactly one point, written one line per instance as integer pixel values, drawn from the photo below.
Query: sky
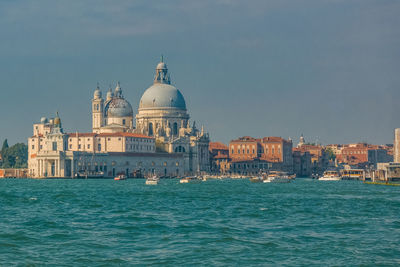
(328, 69)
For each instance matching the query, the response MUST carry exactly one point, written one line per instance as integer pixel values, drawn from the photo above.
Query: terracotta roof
(122, 134)
(218, 145)
(125, 135)
(81, 134)
(272, 139)
(221, 156)
(245, 139)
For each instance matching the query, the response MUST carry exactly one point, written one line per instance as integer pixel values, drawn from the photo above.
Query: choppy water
(221, 222)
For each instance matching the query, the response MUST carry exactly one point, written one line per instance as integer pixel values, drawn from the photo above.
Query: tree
(5, 146)
(331, 154)
(15, 156)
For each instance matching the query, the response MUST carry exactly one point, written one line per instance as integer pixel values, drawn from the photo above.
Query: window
(33, 146)
(41, 146)
(70, 146)
(54, 146)
(108, 139)
(88, 146)
(79, 146)
(119, 139)
(123, 122)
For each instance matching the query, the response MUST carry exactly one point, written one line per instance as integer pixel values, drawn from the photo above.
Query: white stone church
(161, 142)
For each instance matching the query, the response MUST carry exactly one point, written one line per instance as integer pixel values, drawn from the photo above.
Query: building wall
(269, 149)
(397, 145)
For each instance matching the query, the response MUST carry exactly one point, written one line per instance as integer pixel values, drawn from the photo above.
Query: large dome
(162, 95)
(118, 107)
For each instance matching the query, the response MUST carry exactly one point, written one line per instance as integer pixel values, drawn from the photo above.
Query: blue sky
(326, 68)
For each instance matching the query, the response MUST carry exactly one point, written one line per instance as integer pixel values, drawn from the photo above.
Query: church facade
(158, 140)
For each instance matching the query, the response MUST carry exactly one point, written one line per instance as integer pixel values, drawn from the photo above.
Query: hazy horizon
(325, 69)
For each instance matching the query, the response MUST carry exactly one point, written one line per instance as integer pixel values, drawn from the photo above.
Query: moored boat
(152, 180)
(190, 179)
(278, 177)
(89, 174)
(330, 176)
(120, 177)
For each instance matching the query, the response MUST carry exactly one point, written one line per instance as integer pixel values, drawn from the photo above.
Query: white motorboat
(190, 179)
(184, 180)
(152, 180)
(278, 177)
(330, 176)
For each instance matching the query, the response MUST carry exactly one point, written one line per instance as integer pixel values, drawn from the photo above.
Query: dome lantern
(162, 94)
(162, 75)
(118, 90)
(57, 121)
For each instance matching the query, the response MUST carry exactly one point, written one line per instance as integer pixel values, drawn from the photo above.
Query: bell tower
(97, 110)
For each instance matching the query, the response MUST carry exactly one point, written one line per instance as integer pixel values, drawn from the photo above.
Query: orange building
(268, 149)
(219, 157)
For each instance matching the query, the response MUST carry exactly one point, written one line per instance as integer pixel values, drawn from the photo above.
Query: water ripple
(219, 223)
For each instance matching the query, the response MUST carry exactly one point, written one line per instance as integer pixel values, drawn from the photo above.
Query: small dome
(118, 107)
(161, 66)
(161, 95)
(57, 121)
(44, 120)
(97, 94)
(110, 94)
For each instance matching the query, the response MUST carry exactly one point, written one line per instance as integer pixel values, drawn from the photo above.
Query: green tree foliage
(331, 154)
(15, 156)
(5, 145)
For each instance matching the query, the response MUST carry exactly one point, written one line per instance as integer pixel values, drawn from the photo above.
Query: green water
(217, 223)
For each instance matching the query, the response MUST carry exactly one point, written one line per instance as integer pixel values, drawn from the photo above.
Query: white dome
(97, 94)
(161, 95)
(161, 66)
(118, 107)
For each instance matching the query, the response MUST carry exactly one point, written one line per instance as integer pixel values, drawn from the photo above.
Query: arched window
(175, 129)
(180, 149)
(150, 129)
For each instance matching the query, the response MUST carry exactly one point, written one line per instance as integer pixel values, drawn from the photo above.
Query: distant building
(363, 155)
(302, 163)
(13, 173)
(275, 151)
(318, 154)
(162, 141)
(378, 155)
(219, 157)
(396, 150)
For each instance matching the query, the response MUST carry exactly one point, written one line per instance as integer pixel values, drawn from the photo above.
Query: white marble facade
(162, 142)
